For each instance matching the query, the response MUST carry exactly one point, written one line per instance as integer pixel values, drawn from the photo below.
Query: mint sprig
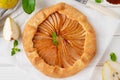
(113, 56)
(15, 49)
(54, 38)
(15, 43)
(28, 6)
(98, 1)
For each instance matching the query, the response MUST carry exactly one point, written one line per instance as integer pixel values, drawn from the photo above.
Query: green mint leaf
(98, 1)
(55, 43)
(113, 57)
(13, 49)
(28, 6)
(13, 52)
(15, 43)
(17, 49)
(54, 36)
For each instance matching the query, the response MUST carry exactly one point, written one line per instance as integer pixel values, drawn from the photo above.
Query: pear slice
(106, 72)
(11, 30)
(111, 71)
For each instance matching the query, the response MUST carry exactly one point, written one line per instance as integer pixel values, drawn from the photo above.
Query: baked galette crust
(85, 36)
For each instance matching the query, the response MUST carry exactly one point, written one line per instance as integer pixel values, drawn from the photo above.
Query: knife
(102, 9)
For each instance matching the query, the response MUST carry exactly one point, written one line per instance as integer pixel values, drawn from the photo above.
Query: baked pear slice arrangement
(111, 71)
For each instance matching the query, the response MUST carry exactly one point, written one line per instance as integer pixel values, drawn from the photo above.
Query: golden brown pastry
(76, 41)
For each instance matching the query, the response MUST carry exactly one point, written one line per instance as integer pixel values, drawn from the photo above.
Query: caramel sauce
(114, 1)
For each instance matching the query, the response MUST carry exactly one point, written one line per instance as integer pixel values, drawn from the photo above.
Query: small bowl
(106, 3)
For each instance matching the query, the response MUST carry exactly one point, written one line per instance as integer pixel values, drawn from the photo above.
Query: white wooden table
(113, 47)
(11, 72)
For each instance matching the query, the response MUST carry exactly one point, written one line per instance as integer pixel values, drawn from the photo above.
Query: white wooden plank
(117, 33)
(97, 74)
(13, 73)
(113, 47)
(117, 10)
